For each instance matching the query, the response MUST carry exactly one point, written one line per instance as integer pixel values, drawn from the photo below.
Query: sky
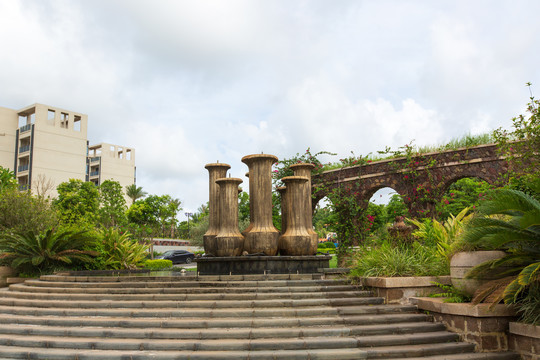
(191, 82)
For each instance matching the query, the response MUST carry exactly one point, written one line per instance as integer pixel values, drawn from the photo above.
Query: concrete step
(36, 286)
(188, 304)
(473, 356)
(208, 322)
(209, 312)
(186, 296)
(13, 352)
(326, 342)
(218, 333)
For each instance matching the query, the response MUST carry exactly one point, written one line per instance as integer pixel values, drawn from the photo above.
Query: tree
(77, 202)
(466, 192)
(20, 212)
(395, 207)
(112, 210)
(174, 208)
(7, 180)
(134, 192)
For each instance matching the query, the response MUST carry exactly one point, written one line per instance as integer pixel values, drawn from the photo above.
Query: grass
(465, 141)
(333, 262)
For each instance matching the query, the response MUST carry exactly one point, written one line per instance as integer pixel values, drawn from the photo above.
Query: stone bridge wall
(422, 182)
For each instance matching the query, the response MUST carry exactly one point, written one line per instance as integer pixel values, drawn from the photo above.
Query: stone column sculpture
(215, 171)
(304, 169)
(296, 240)
(229, 241)
(263, 236)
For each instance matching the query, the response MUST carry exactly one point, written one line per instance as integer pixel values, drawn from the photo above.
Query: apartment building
(45, 146)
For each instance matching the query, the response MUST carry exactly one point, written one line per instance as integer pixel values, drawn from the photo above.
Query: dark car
(178, 256)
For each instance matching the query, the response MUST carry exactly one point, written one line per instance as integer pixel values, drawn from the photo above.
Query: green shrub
(401, 260)
(118, 251)
(157, 264)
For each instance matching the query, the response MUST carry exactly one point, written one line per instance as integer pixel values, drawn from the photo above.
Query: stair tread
(217, 333)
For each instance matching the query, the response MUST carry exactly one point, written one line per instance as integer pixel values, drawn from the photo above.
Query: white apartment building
(45, 146)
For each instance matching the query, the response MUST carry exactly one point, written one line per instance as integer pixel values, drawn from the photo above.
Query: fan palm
(135, 192)
(510, 221)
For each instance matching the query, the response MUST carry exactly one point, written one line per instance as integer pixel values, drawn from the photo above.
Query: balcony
(94, 173)
(25, 128)
(24, 149)
(24, 187)
(22, 168)
(94, 159)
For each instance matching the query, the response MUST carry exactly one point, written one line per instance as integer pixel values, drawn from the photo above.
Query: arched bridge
(421, 179)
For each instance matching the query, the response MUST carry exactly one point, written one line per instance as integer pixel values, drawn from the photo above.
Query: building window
(50, 116)
(77, 123)
(64, 120)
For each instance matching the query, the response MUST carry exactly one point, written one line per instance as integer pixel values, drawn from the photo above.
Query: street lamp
(188, 214)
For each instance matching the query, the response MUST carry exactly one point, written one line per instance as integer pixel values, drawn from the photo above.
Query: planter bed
(399, 290)
(525, 340)
(477, 324)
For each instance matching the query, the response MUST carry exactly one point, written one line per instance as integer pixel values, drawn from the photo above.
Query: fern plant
(120, 251)
(451, 294)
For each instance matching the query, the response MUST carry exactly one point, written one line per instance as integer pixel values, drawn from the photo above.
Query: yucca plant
(509, 221)
(45, 251)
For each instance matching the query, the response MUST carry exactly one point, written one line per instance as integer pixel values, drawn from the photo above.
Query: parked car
(178, 256)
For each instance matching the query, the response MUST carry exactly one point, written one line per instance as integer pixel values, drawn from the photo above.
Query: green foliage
(388, 259)
(118, 251)
(466, 192)
(135, 192)
(157, 264)
(443, 235)
(243, 206)
(21, 212)
(324, 221)
(520, 146)
(198, 230)
(112, 211)
(528, 307)
(395, 207)
(451, 294)
(7, 180)
(77, 202)
(509, 220)
(282, 168)
(46, 251)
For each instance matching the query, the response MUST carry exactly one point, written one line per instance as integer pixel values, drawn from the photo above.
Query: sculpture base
(243, 265)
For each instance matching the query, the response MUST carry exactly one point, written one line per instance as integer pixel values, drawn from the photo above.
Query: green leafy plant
(509, 221)
(46, 251)
(119, 251)
(451, 294)
(388, 259)
(445, 234)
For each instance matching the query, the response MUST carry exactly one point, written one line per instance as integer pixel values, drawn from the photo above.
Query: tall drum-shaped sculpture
(304, 169)
(296, 240)
(263, 236)
(215, 171)
(229, 241)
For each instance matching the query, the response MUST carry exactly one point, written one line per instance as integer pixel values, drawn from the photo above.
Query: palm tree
(134, 192)
(174, 208)
(509, 221)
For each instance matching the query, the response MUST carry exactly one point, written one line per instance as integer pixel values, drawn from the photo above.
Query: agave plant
(45, 251)
(509, 221)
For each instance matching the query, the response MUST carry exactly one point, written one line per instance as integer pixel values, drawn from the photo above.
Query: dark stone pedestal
(242, 265)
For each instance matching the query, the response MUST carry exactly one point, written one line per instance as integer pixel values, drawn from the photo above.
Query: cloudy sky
(191, 82)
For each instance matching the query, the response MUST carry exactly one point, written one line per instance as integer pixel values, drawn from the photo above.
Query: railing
(24, 187)
(94, 159)
(25, 128)
(22, 168)
(94, 173)
(23, 149)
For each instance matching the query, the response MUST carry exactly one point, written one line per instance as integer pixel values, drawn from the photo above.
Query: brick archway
(445, 168)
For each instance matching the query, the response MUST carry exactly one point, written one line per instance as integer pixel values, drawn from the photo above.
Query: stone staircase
(215, 317)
